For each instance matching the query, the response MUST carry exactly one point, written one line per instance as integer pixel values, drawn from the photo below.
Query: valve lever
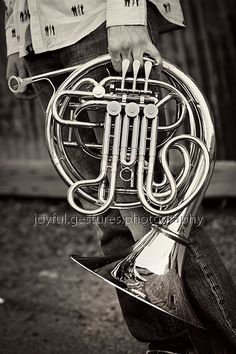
(147, 70)
(125, 67)
(136, 67)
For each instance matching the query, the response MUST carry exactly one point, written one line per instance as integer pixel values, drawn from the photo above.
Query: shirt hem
(131, 23)
(38, 50)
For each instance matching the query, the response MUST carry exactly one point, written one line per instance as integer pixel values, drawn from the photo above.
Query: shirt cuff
(126, 12)
(11, 40)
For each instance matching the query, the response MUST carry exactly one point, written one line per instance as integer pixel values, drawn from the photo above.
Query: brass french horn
(134, 155)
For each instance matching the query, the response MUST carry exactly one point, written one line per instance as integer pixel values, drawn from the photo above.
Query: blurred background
(48, 305)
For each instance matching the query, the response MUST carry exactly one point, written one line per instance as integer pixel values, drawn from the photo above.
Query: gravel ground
(49, 305)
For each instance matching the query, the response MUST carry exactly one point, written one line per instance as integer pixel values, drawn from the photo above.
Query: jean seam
(203, 267)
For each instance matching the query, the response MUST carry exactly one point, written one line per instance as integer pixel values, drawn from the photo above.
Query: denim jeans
(210, 289)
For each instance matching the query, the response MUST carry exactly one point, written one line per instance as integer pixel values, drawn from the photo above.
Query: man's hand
(130, 42)
(16, 66)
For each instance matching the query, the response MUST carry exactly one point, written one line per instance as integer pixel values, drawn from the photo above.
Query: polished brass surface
(155, 151)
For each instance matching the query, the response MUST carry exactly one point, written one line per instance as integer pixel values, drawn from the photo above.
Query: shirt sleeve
(11, 36)
(171, 12)
(126, 12)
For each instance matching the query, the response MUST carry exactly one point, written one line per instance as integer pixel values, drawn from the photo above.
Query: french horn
(148, 123)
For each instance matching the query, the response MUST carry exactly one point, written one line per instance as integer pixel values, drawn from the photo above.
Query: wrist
(127, 12)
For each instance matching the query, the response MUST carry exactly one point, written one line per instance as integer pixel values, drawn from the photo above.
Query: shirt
(44, 25)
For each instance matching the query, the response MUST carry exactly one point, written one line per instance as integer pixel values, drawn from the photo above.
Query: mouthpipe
(17, 84)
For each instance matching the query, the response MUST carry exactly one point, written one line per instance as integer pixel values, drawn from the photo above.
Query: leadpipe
(18, 85)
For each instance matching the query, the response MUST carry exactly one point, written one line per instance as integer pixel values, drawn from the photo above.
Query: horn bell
(151, 272)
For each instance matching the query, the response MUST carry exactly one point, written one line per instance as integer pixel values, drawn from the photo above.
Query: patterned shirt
(44, 25)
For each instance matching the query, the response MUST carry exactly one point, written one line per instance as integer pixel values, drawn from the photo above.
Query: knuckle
(138, 57)
(116, 48)
(117, 68)
(113, 48)
(116, 63)
(125, 45)
(138, 42)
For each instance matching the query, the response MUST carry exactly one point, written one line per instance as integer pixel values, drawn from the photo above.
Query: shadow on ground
(48, 304)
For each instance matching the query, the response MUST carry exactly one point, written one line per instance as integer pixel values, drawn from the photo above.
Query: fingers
(130, 42)
(118, 55)
(11, 71)
(17, 67)
(21, 67)
(11, 67)
(126, 54)
(138, 55)
(29, 94)
(115, 57)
